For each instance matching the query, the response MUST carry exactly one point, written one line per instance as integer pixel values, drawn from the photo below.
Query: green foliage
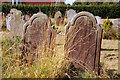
(99, 10)
(77, 2)
(107, 25)
(8, 44)
(108, 30)
(6, 47)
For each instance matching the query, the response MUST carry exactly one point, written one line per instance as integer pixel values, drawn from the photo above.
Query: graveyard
(77, 45)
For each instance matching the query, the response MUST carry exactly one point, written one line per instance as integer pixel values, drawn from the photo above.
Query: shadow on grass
(109, 49)
(59, 44)
(112, 75)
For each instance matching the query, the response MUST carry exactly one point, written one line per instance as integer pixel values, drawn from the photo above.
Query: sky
(69, 2)
(72, 1)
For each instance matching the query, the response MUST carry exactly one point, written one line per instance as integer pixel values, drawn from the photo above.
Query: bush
(108, 30)
(98, 10)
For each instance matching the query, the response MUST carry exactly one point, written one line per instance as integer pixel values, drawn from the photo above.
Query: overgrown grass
(42, 67)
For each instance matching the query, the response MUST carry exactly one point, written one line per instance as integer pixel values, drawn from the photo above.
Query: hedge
(111, 11)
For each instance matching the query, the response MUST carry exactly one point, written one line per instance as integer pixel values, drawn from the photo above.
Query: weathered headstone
(0, 20)
(98, 19)
(70, 14)
(61, 21)
(13, 10)
(116, 23)
(16, 23)
(38, 34)
(3, 21)
(8, 18)
(26, 18)
(57, 18)
(83, 42)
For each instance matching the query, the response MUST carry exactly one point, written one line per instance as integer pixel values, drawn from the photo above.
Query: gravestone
(98, 19)
(0, 20)
(39, 35)
(57, 18)
(3, 21)
(116, 23)
(26, 18)
(83, 42)
(16, 23)
(8, 18)
(70, 14)
(61, 21)
(13, 10)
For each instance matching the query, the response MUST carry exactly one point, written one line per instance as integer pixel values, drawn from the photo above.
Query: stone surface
(3, 21)
(8, 18)
(98, 18)
(13, 10)
(26, 18)
(61, 21)
(16, 23)
(39, 36)
(0, 20)
(57, 18)
(70, 14)
(116, 23)
(83, 41)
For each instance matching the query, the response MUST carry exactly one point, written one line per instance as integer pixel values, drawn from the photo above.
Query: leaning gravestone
(83, 41)
(39, 35)
(16, 23)
(70, 14)
(57, 18)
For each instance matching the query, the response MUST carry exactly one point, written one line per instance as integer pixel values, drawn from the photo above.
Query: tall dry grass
(43, 67)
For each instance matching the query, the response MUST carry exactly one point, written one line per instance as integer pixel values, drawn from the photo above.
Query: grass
(42, 67)
(0, 66)
(108, 44)
(50, 67)
(109, 57)
(55, 66)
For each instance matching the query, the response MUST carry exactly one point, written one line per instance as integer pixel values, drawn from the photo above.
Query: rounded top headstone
(70, 14)
(98, 18)
(13, 10)
(57, 14)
